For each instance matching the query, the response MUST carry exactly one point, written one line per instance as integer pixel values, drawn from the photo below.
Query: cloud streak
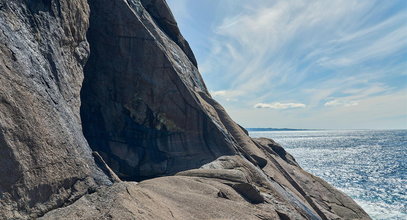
(278, 105)
(338, 102)
(328, 54)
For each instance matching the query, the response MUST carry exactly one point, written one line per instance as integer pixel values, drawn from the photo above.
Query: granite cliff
(96, 95)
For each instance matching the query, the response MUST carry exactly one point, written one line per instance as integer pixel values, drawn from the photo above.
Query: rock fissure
(298, 188)
(72, 198)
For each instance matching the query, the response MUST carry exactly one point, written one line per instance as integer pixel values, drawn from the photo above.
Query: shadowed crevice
(137, 111)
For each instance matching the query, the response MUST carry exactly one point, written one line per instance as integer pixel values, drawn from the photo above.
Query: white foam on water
(382, 211)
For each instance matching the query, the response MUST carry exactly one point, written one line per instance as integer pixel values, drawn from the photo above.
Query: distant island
(280, 129)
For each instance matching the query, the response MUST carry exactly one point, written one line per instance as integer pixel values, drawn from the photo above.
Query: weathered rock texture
(45, 162)
(141, 98)
(146, 113)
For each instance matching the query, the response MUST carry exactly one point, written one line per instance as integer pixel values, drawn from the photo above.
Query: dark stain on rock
(37, 6)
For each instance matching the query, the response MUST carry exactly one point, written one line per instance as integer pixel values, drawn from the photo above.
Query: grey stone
(45, 160)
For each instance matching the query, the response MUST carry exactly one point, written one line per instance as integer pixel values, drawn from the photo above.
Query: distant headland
(280, 129)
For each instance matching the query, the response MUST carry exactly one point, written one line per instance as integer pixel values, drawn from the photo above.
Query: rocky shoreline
(104, 114)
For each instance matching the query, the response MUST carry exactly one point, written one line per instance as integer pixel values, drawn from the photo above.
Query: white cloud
(379, 112)
(227, 93)
(338, 102)
(278, 105)
(219, 93)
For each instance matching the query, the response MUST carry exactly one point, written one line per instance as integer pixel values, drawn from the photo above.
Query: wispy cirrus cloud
(278, 105)
(341, 102)
(289, 44)
(320, 53)
(352, 97)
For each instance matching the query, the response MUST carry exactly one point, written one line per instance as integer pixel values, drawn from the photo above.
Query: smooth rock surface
(164, 198)
(140, 107)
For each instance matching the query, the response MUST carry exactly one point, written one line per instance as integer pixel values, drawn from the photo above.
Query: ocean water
(368, 165)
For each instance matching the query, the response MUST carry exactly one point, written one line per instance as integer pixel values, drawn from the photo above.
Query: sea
(368, 165)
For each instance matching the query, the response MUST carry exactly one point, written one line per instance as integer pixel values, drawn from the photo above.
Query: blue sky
(302, 63)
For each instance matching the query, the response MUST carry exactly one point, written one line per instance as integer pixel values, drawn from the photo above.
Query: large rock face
(45, 160)
(143, 99)
(146, 111)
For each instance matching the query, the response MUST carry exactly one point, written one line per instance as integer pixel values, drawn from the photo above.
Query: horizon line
(314, 129)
